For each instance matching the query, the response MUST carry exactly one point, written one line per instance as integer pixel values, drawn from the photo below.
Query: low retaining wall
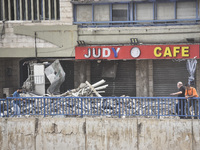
(98, 134)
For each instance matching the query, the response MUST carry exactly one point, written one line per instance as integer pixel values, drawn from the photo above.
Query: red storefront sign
(138, 52)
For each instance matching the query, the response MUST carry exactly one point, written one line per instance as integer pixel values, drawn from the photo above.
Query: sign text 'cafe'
(138, 52)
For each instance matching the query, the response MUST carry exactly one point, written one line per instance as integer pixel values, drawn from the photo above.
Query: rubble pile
(89, 106)
(86, 90)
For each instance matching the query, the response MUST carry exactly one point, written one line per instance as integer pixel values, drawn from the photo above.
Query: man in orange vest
(190, 93)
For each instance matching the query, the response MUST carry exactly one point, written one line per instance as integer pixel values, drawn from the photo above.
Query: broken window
(135, 12)
(119, 12)
(29, 10)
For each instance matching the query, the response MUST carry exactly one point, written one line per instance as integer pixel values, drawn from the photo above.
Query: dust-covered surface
(98, 133)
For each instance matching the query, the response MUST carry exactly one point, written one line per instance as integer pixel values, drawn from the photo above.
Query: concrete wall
(57, 38)
(145, 35)
(54, 38)
(98, 134)
(22, 40)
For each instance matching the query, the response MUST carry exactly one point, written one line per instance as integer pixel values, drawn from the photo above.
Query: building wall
(146, 35)
(58, 38)
(51, 38)
(98, 133)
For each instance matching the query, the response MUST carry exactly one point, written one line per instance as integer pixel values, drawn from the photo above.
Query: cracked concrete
(98, 133)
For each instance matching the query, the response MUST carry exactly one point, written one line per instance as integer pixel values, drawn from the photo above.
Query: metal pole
(119, 109)
(7, 107)
(199, 107)
(35, 45)
(158, 108)
(44, 108)
(81, 108)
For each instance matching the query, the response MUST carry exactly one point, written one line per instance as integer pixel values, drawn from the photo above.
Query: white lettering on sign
(98, 52)
(89, 53)
(104, 52)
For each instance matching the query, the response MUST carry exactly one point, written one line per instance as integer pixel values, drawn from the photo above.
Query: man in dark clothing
(180, 106)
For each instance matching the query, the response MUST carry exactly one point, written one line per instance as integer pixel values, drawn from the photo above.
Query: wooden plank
(92, 88)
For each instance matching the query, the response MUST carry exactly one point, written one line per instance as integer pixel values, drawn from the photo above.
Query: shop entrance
(119, 75)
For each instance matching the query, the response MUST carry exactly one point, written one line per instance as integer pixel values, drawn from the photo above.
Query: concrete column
(198, 77)
(144, 78)
(150, 77)
(81, 72)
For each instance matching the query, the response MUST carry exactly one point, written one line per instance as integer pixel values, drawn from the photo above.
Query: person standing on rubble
(16, 102)
(180, 106)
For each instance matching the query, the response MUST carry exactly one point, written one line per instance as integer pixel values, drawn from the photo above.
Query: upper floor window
(149, 12)
(29, 10)
(119, 12)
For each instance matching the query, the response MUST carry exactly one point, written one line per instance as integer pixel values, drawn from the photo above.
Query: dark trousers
(192, 107)
(180, 108)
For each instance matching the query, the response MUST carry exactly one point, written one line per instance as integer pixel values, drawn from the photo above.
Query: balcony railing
(150, 107)
(137, 23)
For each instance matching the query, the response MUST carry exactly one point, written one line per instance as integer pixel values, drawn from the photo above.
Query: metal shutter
(166, 74)
(124, 83)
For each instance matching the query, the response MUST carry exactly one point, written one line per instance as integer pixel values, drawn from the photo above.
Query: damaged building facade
(139, 47)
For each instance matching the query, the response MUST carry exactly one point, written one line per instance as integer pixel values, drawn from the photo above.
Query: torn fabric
(191, 67)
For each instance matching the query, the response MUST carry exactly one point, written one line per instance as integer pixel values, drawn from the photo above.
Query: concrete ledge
(98, 133)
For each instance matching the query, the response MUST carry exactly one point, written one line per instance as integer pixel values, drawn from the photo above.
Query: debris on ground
(86, 90)
(56, 76)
